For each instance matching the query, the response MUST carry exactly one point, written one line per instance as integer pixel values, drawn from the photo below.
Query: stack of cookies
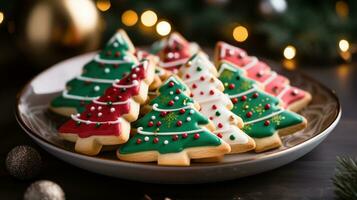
(174, 105)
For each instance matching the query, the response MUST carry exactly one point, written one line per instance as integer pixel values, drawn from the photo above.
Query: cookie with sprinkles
(199, 74)
(175, 52)
(173, 132)
(110, 64)
(106, 120)
(264, 119)
(292, 97)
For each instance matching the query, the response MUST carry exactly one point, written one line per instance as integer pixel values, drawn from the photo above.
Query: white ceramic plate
(322, 114)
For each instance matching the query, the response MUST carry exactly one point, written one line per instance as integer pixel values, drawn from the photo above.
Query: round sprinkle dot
(138, 141)
(171, 103)
(96, 88)
(178, 91)
(171, 84)
(220, 125)
(235, 100)
(249, 114)
(166, 142)
(243, 98)
(171, 92)
(179, 123)
(134, 76)
(106, 70)
(176, 98)
(219, 135)
(175, 137)
(158, 123)
(184, 135)
(146, 138)
(92, 108)
(137, 69)
(267, 106)
(78, 115)
(100, 114)
(232, 137)
(115, 44)
(112, 109)
(231, 86)
(255, 95)
(196, 136)
(156, 140)
(99, 107)
(150, 123)
(188, 119)
(267, 123)
(192, 111)
(153, 117)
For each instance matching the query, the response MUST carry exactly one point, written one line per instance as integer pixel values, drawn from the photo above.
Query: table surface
(306, 178)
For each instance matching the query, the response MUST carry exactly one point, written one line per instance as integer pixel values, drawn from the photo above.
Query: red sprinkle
(163, 113)
(267, 106)
(202, 78)
(188, 76)
(175, 137)
(196, 136)
(211, 92)
(182, 111)
(255, 95)
(231, 86)
(243, 98)
(267, 123)
(202, 93)
(117, 54)
(220, 135)
(194, 86)
(151, 123)
(249, 114)
(235, 100)
(191, 95)
(158, 123)
(156, 140)
(184, 135)
(179, 123)
(171, 103)
(178, 91)
(171, 84)
(220, 125)
(214, 107)
(138, 141)
(211, 118)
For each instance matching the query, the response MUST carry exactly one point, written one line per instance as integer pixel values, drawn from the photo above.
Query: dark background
(314, 28)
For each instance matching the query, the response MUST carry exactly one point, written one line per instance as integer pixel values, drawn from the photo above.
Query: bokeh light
(129, 18)
(344, 45)
(103, 5)
(148, 18)
(1, 17)
(289, 52)
(342, 9)
(163, 28)
(240, 33)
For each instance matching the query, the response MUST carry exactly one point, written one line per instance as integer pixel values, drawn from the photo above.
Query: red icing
(259, 72)
(96, 112)
(175, 49)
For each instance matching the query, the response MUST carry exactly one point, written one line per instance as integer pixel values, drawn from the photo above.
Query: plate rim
(118, 162)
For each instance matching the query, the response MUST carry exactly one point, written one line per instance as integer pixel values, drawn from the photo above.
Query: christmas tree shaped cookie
(262, 116)
(110, 64)
(105, 121)
(293, 98)
(173, 132)
(175, 52)
(206, 89)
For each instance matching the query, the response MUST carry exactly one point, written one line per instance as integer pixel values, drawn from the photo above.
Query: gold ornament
(52, 30)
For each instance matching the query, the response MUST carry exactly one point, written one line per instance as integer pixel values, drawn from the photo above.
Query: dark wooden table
(306, 178)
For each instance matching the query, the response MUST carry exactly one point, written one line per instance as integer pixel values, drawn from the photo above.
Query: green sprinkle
(232, 137)
(218, 113)
(109, 103)
(199, 69)
(97, 125)
(78, 123)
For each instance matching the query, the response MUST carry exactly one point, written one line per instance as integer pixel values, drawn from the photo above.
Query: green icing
(157, 122)
(115, 50)
(254, 107)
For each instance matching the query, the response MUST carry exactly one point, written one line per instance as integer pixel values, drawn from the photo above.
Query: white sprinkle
(99, 107)
(117, 80)
(170, 55)
(188, 119)
(106, 70)
(153, 117)
(78, 115)
(87, 122)
(134, 76)
(231, 52)
(112, 109)
(146, 138)
(96, 88)
(166, 142)
(171, 92)
(115, 44)
(176, 55)
(100, 114)
(176, 98)
(192, 111)
(137, 69)
(126, 58)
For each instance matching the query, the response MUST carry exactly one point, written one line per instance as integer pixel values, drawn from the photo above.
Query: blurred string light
(1, 17)
(342, 9)
(103, 5)
(163, 28)
(344, 45)
(240, 33)
(148, 18)
(289, 52)
(129, 18)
